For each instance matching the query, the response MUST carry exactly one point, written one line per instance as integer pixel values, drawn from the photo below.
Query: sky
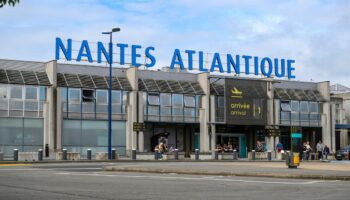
(314, 33)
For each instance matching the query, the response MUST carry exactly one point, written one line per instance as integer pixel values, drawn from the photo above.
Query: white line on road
(221, 179)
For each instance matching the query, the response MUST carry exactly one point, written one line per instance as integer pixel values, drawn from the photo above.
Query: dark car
(343, 153)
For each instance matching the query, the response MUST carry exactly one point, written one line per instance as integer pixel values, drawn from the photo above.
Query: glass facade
(171, 107)
(220, 108)
(299, 113)
(80, 135)
(20, 133)
(92, 104)
(21, 101)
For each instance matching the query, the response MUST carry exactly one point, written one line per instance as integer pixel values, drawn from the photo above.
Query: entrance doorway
(238, 142)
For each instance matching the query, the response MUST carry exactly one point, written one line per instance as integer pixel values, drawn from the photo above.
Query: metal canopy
(24, 77)
(217, 89)
(170, 86)
(298, 94)
(92, 81)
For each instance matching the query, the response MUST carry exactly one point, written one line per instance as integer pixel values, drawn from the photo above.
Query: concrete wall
(131, 137)
(328, 132)
(203, 80)
(50, 107)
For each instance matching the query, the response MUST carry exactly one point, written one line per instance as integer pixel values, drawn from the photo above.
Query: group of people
(321, 150)
(162, 148)
(224, 148)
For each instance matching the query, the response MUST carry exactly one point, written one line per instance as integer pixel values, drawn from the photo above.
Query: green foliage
(8, 2)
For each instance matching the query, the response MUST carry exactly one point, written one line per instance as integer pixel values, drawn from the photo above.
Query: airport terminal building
(66, 106)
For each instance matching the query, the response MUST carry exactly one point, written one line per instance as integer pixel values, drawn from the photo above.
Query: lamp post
(110, 91)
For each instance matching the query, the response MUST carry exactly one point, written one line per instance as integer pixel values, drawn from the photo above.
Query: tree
(9, 2)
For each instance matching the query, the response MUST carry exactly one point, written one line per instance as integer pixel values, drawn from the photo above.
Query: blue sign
(265, 66)
(297, 135)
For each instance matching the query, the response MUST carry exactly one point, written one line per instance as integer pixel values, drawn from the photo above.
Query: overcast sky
(316, 34)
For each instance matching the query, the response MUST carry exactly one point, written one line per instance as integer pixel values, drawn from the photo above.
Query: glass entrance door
(234, 141)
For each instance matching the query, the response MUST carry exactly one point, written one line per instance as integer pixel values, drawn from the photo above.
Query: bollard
(197, 154)
(176, 154)
(253, 154)
(64, 154)
(133, 154)
(269, 155)
(40, 154)
(15, 154)
(156, 154)
(88, 154)
(47, 150)
(216, 154)
(235, 154)
(113, 154)
(304, 155)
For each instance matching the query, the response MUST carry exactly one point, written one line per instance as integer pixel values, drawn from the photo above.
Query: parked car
(343, 153)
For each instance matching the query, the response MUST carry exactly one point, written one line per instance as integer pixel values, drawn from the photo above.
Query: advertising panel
(246, 102)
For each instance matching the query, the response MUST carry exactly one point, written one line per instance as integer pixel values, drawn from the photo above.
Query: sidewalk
(307, 170)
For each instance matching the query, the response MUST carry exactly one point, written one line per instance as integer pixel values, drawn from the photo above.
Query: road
(88, 181)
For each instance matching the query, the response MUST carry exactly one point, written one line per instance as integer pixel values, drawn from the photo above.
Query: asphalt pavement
(89, 181)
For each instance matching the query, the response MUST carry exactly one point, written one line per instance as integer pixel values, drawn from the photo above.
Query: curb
(246, 174)
(129, 160)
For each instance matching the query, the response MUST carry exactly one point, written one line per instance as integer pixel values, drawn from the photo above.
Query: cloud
(316, 33)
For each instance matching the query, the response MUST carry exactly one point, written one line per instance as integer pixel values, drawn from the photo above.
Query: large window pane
(125, 97)
(295, 116)
(313, 107)
(295, 106)
(285, 116)
(116, 97)
(165, 111)
(285, 106)
(11, 131)
(16, 92)
(74, 95)
(94, 133)
(71, 132)
(177, 100)
(153, 99)
(101, 97)
(118, 134)
(304, 117)
(190, 112)
(31, 93)
(177, 111)
(221, 102)
(189, 101)
(33, 132)
(165, 99)
(153, 110)
(304, 107)
(64, 95)
(42, 94)
(3, 91)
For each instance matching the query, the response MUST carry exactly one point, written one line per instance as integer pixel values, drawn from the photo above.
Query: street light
(110, 91)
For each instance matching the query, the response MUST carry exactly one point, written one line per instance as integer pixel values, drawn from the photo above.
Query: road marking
(16, 165)
(220, 179)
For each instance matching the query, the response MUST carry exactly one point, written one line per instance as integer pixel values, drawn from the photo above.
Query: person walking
(319, 149)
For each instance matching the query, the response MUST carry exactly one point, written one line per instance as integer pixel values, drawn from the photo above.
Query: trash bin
(292, 160)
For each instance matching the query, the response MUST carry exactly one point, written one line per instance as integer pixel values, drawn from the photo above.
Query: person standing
(259, 146)
(326, 151)
(308, 150)
(319, 149)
